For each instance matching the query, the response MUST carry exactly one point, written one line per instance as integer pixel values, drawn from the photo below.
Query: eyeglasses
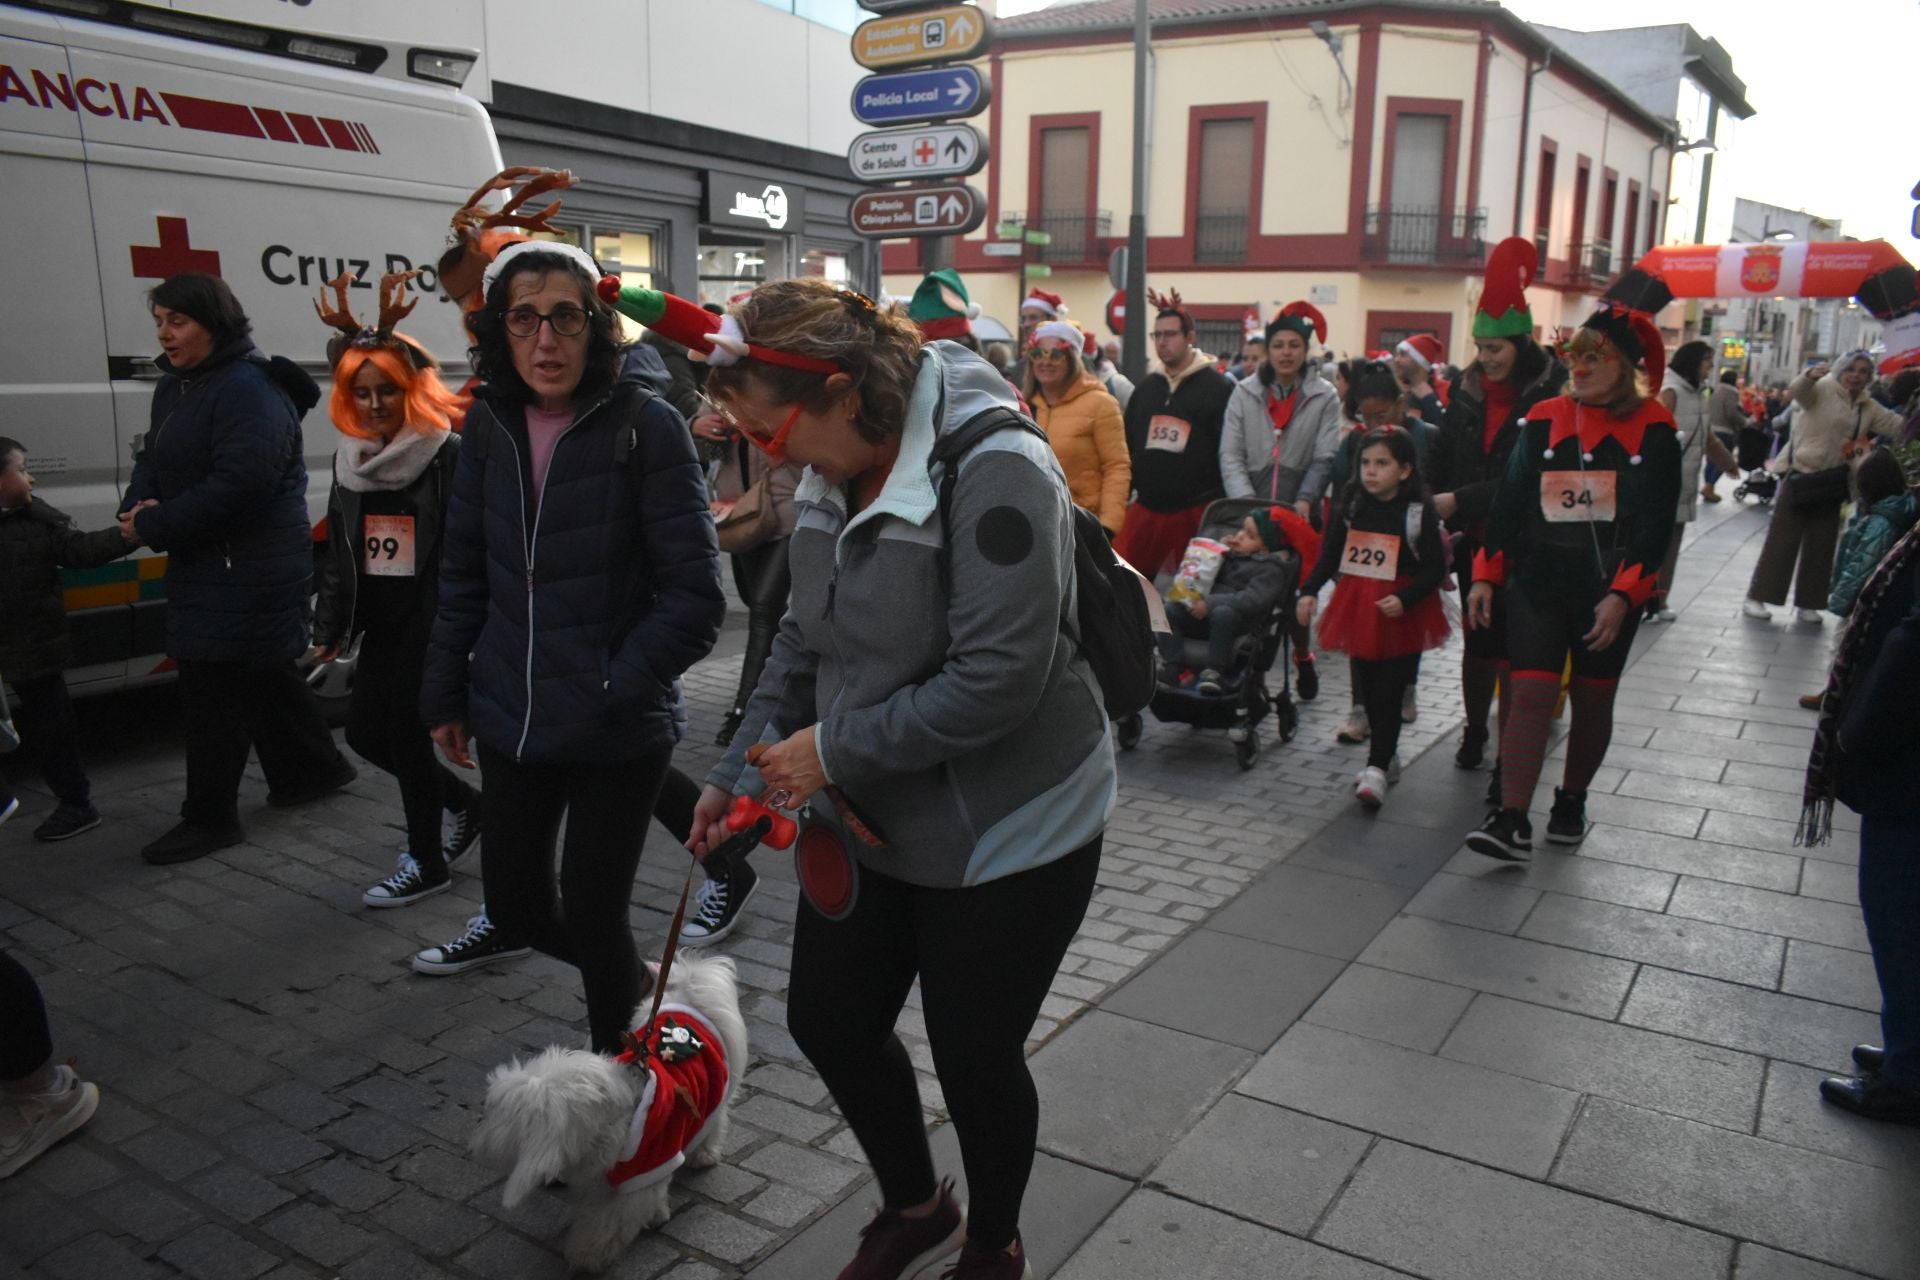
(1048, 353)
(774, 446)
(1591, 359)
(525, 322)
(1382, 420)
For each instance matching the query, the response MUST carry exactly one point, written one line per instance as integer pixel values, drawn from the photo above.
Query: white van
(139, 142)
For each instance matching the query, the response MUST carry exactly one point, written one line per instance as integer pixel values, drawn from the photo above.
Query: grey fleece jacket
(962, 723)
(1305, 450)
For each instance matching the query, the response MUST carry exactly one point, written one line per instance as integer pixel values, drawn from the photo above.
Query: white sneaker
(1409, 707)
(1370, 789)
(1356, 729)
(1755, 609)
(32, 1122)
(1664, 615)
(1807, 615)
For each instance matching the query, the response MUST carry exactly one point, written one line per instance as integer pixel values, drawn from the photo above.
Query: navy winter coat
(36, 542)
(223, 457)
(566, 616)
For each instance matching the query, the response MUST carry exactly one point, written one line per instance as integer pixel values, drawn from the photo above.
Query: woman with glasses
(1579, 526)
(1082, 422)
(579, 578)
(928, 711)
(1834, 424)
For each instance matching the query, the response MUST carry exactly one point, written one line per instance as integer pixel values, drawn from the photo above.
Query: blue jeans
(1890, 902)
(1221, 629)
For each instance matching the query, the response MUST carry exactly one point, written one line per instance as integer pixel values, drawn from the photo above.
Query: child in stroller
(1214, 664)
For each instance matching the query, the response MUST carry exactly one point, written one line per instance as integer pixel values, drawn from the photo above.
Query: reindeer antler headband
(1168, 301)
(395, 306)
(480, 233)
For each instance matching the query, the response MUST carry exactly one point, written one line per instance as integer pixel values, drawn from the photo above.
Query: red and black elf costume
(1584, 512)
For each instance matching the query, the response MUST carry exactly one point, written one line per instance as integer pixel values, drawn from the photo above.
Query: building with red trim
(1360, 154)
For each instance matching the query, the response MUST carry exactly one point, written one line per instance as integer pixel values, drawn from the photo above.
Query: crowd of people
(523, 568)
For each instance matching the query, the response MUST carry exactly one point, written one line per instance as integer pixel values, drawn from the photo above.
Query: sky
(1830, 100)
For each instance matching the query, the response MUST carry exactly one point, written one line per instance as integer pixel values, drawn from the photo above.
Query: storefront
(695, 211)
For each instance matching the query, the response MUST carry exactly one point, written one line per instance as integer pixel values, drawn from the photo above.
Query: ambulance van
(137, 142)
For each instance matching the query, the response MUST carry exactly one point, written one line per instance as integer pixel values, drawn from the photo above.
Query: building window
(1630, 225)
(733, 263)
(1222, 221)
(1543, 199)
(1414, 220)
(629, 255)
(1582, 189)
(1066, 167)
(1221, 338)
(826, 264)
(1653, 219)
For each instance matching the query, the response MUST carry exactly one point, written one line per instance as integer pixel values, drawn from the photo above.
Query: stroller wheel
(1127, 732)
(1287, 717)
(1246, 751)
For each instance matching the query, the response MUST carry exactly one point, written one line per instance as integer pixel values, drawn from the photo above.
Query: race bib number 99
(1567, 496)
(389, 545)
(1371, 555)
(1168, 433)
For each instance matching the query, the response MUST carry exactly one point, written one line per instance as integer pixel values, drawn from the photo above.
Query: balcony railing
(1071, 237)
(1220, 237)
(1590, 262)
(1399, 235)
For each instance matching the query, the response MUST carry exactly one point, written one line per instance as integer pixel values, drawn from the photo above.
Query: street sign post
(943, 93)
(896, 6)
(947, 34)
(926, 151)
(1003, 248)
(918, 211)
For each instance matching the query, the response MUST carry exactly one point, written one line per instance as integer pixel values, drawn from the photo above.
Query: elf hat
(941, 307)
(1635, 336)
(716, 339)
(1302, 318)
(1423, 349)
(1041, 300)
(1503, 311)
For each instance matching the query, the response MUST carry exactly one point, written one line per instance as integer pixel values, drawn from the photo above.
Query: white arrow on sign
(953, 207)
(963, 28)
(959, 91)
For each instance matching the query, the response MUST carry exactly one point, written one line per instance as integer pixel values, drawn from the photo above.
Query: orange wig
(430, 406)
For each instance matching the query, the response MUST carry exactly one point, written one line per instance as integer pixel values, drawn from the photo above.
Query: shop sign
(739, 200)
(926, 151)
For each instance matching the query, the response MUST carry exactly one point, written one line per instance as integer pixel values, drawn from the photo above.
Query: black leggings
(25, 1042)
(384, 729)
(763, 579)
(606, 807)
(985, 957)
(1380, 684)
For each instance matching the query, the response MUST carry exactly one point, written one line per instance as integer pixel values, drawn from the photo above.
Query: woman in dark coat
(220, 486)
(579, 577)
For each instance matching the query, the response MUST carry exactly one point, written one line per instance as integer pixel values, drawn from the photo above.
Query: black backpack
(1116, 629)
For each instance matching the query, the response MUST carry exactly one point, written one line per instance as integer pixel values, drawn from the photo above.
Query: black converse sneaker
(462, 835)
(408, 884)
(1568, 822)
(1506, 835)
(481, 944)
(720, 903)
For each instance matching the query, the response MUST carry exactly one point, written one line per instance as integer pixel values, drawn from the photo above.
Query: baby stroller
(1751, 449)
(1758, 484)
(1244, 699)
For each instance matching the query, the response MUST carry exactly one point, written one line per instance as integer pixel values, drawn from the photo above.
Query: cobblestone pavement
(283, 1096)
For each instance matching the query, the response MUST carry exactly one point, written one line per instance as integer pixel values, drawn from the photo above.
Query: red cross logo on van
(173, 255)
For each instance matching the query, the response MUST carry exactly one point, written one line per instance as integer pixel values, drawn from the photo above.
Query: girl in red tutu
(1384, 553)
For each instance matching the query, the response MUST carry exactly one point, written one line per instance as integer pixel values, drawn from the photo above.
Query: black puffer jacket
(566, 616)
(36, 542)
(336, 620)
(1460, 463)
(223, 457)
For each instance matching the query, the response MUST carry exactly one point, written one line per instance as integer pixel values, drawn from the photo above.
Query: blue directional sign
(937, 93)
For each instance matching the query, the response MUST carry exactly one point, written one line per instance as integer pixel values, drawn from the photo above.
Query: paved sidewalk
(1289, 1040)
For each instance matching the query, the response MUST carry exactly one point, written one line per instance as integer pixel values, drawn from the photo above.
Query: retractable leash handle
(730, 854)
(746, 813)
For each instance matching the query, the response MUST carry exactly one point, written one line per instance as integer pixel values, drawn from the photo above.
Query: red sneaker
(893, 1247)
(980, 1263)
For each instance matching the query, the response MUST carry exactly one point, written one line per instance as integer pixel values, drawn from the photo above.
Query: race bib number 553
(1567, 496)
(389, 546)
(1169, 433)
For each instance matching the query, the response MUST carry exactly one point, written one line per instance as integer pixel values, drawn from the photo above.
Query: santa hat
(1634, 335)
(1503, 311)
(1041, 300)
(1302, 318)
(1090, 346)
(1423, 349)
(941, 307)
(1060, 331)
(716, 339)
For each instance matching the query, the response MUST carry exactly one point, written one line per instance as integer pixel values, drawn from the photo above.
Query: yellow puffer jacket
(1090, 440)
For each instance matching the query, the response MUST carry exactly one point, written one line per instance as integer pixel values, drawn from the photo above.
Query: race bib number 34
(1567, 496)
(389, 542)
(1371, 555)
(1168, 433)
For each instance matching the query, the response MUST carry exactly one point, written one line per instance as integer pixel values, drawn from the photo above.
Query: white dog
(615, 1130)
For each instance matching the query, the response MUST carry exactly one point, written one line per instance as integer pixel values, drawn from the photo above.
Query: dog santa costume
(687, 1081)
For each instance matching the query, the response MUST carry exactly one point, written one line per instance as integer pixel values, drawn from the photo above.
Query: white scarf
(376, 465)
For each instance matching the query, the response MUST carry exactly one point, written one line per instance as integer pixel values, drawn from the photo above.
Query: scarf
(1817, 798)
(367, 466)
